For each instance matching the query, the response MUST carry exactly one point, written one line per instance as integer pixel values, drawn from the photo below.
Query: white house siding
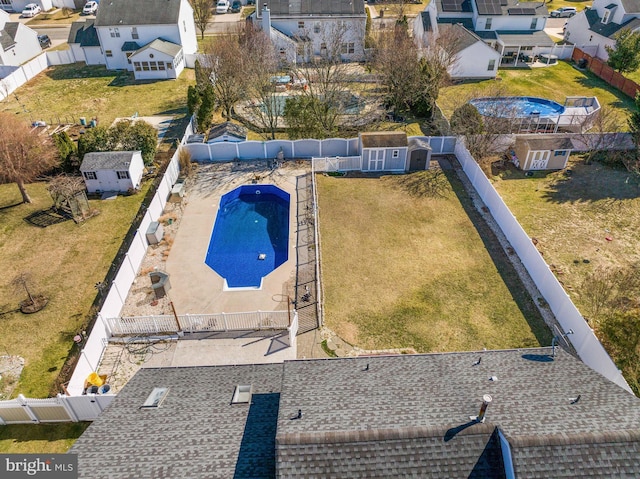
(473, 62)
(188, 35)
(579, 34)
(27, 47)
(93, 56)
(165, 68)
(107, 179)
(64, 3)
(18, 5)
(618, 15)
(509, 22)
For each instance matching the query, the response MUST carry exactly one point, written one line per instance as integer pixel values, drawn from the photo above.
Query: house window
(169, 65)
(154, 66)
(161, 66)
(300, 25)
(590, 37)
(184, 25)
(316, 27)
(90, 175)
(534, 23)
(129, 57)
(114, 32)
(323, 47)
(134, 33)
(487, 23)
(395, 154)
(605, 17)
(145, 66)
(301, 50)
(492, 65)
(283, 53)
(123, 175)
(108, 53)
(137, 66)
(348, 48)
(559, 153)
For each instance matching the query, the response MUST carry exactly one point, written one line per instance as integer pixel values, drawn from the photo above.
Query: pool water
(517, 107)
(250, 236)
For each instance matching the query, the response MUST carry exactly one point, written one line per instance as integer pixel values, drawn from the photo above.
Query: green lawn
(555, 83)
(68, 92)
(40, 438)
(586, 223)
(65, 260)
(405, 270)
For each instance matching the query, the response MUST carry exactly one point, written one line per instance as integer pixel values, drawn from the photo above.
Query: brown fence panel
(630, 88)
(608, 74)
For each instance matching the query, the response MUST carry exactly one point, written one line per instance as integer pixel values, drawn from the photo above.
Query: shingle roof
(140, 12)
(130, 47)
(313, 7)
(631, 6)
(195, 433)
(162, 46)
(6, 40)
(227, 128)
(610, 29)
(463, 37)
(383, 139)
(546, 142)
(373, 417)
(107, 160)
(418, 144)
(84, 33)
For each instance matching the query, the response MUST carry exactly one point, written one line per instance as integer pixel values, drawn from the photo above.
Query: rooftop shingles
(141, 12)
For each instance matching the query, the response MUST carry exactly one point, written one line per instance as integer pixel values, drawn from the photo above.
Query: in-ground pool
(518, 107)
(250, 236)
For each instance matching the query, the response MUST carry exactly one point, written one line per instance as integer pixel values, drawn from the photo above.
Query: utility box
(160, 283)
(177, 192)
(155, 232)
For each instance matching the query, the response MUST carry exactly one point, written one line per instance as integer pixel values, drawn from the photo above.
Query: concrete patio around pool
(198, 289)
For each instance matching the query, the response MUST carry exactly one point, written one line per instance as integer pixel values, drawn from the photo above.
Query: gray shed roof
(84, 33)
(383, 139)
(418, 144)
(141, 12)
(373, 417)
(107, 160)
(283, 8)
(162, 46)
(546, 142)
(227, 128)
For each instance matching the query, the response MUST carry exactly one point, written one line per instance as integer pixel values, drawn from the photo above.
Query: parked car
(222, 6)
(31, 10)
(564, 12)
(45, 41)
(236, 6)
(90, 8)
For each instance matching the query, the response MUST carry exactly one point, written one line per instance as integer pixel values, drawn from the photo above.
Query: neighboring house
(227, 131)
(18, 43)
(303, 29)
(514, 29)
(537, 152)
(147, 37)
(18, 5)
(84, 43)
(380, 416)
(119, 171)
(594, 28)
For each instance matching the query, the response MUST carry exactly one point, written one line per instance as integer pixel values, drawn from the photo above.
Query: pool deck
(195, 287)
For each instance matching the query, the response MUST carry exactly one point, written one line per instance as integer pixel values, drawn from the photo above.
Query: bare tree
(261, 64)
(598, 132)
(24, 153)
(224, 60)
(202, 10)
(34, 302)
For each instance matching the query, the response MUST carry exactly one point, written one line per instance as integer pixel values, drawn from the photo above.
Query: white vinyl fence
(119, 288)
(12, 78)
(58, 409)
(584, 341)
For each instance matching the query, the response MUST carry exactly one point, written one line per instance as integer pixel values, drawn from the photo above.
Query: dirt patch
(10, 370)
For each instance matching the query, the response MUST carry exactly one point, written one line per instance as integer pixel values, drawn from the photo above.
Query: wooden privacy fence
(193, 323)
(606, 73)
(24, 410)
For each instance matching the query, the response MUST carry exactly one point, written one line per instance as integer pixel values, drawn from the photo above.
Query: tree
(25, 153)
(634, 123)
(204, 116)
(467, 120)
(201, 14)
(193, 99)
(126, 135)
(94, 139)
(300, 118)
(67, 151)
(624, 56)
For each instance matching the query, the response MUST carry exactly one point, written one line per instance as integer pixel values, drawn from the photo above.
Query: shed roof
(418, 144)
(107, 160)
(114, 13)
(383, 139)
(227, 128)
(545, 142)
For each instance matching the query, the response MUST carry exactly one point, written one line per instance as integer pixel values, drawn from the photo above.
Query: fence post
(224, 321)
(23, 402)
(67, 408)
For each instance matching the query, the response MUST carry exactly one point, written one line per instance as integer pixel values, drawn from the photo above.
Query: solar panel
(489, 7)
(522, 11)
(504, 3)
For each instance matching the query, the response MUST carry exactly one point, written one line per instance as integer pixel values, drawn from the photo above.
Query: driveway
(223, 23)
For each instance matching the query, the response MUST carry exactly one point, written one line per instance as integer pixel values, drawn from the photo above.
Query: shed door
(376, 160)
(538, 160)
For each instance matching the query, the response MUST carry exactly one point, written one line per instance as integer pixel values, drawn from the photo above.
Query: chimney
(486, 399)
(266, 20)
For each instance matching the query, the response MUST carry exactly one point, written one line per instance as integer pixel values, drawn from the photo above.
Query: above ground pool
(517, 107)
(250, 236)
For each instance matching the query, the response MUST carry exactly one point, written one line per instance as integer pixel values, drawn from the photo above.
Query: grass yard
(65, 261)
(403, 269)
(555, 83)
(586, 224)
(40, 438)
(68, 92)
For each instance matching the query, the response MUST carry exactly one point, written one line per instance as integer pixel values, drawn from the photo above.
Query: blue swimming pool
(517, 107)
(250, 235)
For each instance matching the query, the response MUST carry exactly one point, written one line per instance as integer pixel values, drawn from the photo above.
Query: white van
(222, 6)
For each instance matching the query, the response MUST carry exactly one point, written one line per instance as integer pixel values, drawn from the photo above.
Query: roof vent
(486, 399)
(242, 394)
(155, 398)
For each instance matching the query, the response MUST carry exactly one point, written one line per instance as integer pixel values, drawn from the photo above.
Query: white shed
(119, 171)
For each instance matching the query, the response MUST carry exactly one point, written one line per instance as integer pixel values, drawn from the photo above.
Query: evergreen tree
(624, 56)
(207, 106)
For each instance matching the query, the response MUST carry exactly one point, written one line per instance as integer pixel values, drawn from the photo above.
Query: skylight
(242, 394)
(155, 398)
